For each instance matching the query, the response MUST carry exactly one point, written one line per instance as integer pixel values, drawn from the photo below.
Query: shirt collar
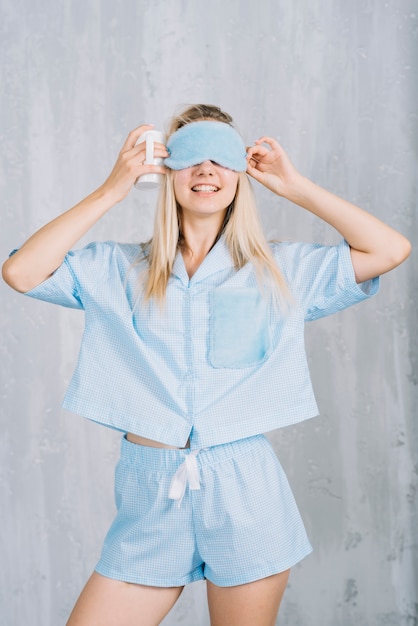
(217, 259)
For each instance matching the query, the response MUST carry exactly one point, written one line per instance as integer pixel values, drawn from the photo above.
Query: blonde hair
(241, 229)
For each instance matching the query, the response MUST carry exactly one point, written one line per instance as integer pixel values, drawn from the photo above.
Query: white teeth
(205, 188)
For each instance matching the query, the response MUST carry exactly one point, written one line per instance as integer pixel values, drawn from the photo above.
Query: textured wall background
(336, 82)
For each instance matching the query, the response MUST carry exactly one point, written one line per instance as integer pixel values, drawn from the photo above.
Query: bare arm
(45, 250)
(376, 248)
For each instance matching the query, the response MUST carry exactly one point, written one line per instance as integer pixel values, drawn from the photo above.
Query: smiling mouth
(205, 188)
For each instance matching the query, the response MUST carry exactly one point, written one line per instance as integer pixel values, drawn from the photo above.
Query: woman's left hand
(375, 247)
(270, 166)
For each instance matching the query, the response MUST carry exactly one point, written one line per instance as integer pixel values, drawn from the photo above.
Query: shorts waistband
(167, 459)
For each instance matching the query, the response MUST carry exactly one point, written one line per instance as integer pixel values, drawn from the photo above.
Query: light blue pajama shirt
(218, 363)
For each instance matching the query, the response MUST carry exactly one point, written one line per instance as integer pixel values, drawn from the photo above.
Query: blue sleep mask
(206, 141)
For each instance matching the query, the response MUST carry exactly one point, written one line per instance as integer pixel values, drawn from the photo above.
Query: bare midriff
(143, 441)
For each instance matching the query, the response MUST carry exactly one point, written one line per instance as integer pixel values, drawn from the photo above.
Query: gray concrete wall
(336, 83)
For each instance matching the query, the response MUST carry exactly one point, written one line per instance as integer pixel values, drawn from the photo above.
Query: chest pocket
(239, 328)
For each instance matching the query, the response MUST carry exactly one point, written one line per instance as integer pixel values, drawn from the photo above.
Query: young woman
(193, 348)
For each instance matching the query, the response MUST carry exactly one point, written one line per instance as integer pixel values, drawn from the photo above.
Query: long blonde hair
(241, 229)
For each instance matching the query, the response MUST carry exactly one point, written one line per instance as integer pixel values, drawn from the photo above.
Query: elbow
(20, 276)
(13, 277)
(396, 253)
(402, 251)
(385, 259)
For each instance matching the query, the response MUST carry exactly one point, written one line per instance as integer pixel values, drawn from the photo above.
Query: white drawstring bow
(187, 472)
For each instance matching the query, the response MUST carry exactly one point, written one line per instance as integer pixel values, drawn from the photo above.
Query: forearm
(385, 247)
(45, 250)
(361, 230)
(375, 247)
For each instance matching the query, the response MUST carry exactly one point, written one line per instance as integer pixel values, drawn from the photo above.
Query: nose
(207, 167)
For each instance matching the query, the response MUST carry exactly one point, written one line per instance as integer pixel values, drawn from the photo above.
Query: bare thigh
(107, 602)
(252, 604)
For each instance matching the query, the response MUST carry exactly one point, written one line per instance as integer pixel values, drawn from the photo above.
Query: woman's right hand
(45, 250)
(130, 165)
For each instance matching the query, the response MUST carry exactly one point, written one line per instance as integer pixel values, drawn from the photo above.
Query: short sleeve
(78, 275)
(322, 278)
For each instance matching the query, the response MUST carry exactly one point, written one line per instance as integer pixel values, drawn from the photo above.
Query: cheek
(231, 184)
(180, 181)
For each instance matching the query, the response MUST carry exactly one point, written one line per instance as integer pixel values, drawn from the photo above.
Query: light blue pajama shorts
(224, 513)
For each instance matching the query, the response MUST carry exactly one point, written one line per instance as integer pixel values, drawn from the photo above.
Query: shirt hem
(197, 441)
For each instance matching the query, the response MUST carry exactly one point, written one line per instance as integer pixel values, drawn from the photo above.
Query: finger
(138, 152)
(153, 169)
(257, 152)
(134, 136)
(252, 161)
(158, 153)
(256, 159)
(159, 148)
(269, 141)
(254, 172)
